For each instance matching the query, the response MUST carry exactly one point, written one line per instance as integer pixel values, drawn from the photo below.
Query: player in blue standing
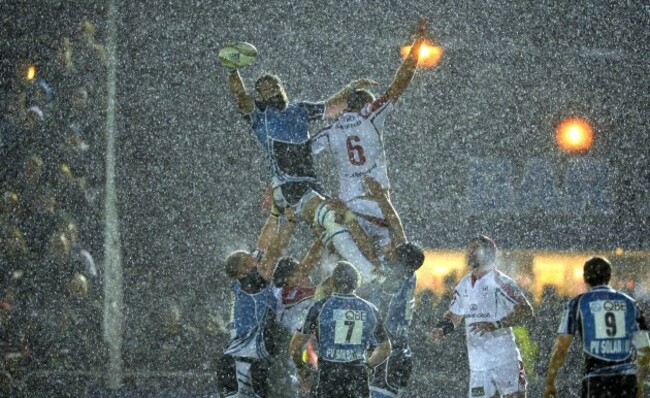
(613, 332)
(345, 327)
(390, 379)
(253, 325)
(282, 129)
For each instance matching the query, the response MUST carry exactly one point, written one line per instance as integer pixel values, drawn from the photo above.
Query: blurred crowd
(51, 205)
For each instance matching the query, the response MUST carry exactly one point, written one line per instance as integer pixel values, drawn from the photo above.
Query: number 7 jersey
(356, 142)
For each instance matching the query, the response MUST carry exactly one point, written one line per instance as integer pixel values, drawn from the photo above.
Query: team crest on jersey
(478, 392)
(485, 291)
(473, 307)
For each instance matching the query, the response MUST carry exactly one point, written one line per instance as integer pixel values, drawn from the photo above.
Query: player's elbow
(643, 356)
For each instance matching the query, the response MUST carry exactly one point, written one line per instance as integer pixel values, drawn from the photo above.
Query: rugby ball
(237, 55)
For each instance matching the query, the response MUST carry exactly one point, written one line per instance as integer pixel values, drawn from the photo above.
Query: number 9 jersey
(607, 321)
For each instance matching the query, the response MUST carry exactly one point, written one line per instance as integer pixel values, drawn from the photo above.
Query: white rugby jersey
(356, 142)
(487, 299)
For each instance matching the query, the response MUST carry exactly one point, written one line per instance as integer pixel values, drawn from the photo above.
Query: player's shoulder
(502, 278)
(465, 280)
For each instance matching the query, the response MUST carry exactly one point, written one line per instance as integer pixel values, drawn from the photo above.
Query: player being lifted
(281, 128)
(355, 140)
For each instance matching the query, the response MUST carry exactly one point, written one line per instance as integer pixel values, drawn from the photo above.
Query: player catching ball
(282, 129)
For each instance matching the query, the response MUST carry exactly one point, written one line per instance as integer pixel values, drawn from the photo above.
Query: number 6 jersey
(355, 140)
(606, 320)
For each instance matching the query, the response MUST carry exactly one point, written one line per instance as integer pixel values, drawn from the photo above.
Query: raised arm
(245, 102)
(381, 196)
(310, 260)
(338, 102)
(407, 68)
(269, 261)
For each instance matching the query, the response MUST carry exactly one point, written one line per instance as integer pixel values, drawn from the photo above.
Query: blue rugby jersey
(346, 326)
(250, 313)
(284, 136)
(606, 320)
(400, 312)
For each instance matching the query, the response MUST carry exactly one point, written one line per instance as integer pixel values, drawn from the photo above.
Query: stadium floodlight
(430, 54)
(574, 134)
(30, 73)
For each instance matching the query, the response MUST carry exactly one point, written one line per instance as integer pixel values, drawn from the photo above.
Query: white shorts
(506, 379)
(370, 224)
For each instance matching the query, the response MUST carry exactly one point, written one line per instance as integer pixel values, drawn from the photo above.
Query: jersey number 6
(358, 159)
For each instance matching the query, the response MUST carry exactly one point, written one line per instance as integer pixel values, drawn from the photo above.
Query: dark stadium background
(190, 176)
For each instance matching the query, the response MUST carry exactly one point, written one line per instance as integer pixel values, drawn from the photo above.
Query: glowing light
(619, 251)
(574, 135)
(577, 273)
(31, 73)
(437, 265)
(430, 54)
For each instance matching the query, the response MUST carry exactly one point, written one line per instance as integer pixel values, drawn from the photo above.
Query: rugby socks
(340, 237)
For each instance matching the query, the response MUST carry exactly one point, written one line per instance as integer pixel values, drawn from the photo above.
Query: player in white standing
(355, 140)
(491, 303)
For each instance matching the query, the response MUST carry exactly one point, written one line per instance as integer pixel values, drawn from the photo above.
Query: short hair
(597, 271)
(488, 245)
(235, 261)
(285, 268)
(410, 256)
(345, 277)
(359, 98)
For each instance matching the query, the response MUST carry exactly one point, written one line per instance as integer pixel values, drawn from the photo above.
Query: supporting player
(282, 130)
(612, 329)
(355, 140)
(491, 304)
(253, 313)
(345, 327)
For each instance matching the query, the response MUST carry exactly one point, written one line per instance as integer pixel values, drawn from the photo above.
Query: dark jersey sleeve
(315, 110)
(381, 334)
(643, 325)
(570, 321)
(310, 324)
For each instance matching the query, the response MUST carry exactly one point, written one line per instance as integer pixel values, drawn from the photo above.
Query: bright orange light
(437, 265)
(574, 135)
(430, 54)
(31, 73)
